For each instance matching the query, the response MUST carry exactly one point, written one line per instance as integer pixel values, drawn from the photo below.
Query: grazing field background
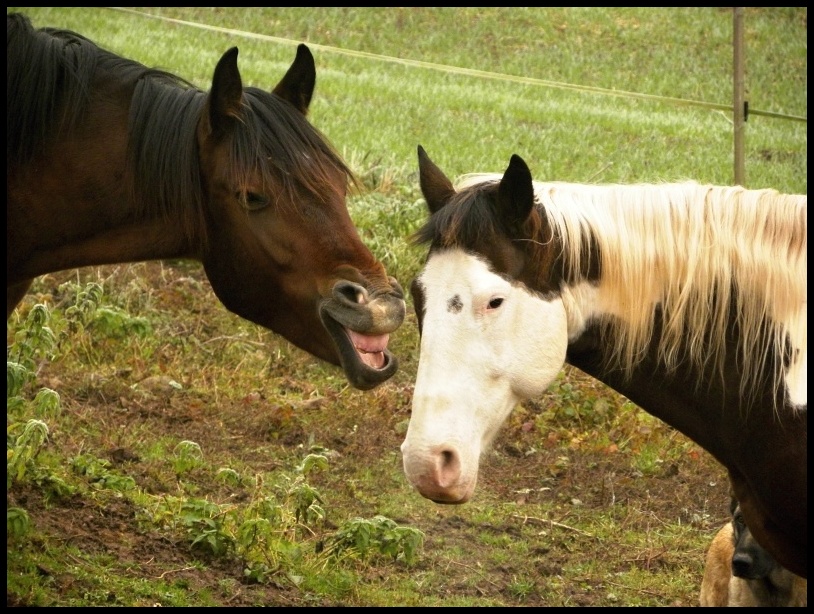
(165, 452)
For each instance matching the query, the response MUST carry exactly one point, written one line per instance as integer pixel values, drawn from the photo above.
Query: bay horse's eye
(252, 201)
(495, 303)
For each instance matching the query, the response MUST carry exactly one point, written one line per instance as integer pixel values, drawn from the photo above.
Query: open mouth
(365, 358)
(370, 348)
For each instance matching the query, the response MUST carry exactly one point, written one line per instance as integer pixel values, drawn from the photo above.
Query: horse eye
(495, 303)
(252, 201)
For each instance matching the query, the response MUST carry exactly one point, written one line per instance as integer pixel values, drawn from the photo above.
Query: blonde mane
(697, 252)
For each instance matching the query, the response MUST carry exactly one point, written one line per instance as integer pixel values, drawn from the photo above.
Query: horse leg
(14, 294)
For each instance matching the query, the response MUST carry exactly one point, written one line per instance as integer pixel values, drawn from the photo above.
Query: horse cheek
(540, 356)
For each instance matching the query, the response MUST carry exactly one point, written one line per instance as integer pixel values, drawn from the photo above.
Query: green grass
(257, 406)
(379, 111)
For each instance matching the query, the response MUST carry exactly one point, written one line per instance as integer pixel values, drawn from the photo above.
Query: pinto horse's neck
(766, 441)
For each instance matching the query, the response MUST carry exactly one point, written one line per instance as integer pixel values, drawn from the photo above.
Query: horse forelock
(278, 140)
(466, 221)
(701, 255)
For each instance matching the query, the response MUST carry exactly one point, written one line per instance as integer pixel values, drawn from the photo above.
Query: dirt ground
(690, 489)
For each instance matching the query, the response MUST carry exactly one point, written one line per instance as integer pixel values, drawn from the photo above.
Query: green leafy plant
(117, 324)
(18, 522)
(207, 527)
(34, 341)
(186, 457)
(364, 537)
(86, 300)
(20, 456)
(99, 474)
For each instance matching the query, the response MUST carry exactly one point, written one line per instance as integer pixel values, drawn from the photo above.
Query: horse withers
(688, 299)
(740, 573)
(109, 162)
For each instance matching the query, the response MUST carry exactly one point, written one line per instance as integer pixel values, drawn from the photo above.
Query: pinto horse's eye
(495, 302)
(252, 201)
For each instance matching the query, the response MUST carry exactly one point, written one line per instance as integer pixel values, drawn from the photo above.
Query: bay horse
(688, 299)
(110, 162)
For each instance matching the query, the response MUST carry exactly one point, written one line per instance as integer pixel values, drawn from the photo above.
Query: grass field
(190, 458)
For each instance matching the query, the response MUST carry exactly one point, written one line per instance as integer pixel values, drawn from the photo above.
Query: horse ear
(226, 95)
(515, 196)
(297, 86)
(435, 186)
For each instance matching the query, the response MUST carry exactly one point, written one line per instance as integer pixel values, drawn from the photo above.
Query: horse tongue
(370, 348)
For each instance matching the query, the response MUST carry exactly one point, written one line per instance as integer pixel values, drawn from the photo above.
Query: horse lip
(449, 501)
(360, 375)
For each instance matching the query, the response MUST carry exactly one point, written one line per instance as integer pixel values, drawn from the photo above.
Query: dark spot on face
(454, 304)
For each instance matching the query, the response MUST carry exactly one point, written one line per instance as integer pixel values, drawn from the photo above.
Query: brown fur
(720, 588)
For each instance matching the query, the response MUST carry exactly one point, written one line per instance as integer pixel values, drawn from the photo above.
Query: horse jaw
(360, 325)
(486, 345)
(365, 359)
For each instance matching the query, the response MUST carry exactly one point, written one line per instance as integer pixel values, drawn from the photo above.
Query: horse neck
(139, 242)
(674, 398)
(85, 187)
(709, 408)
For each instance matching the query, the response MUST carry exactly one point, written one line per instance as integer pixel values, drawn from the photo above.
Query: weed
(21, 455)
(521, 588)
(187, 456)
(364, 537)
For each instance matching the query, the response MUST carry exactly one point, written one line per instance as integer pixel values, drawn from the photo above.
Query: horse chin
(444, 501)
(365, 366)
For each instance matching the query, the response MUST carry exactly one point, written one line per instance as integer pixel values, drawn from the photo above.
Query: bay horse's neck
(97, 223)
(137, 242)
(85, 190)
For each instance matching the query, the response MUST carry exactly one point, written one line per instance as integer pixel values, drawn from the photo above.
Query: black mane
(52, 76)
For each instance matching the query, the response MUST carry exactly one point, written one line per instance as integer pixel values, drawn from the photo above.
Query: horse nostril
(449, 468)
(741, 565)
(349, 292)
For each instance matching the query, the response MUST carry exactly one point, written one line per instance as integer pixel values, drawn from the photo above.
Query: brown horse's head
(130, 164)
(280, 248)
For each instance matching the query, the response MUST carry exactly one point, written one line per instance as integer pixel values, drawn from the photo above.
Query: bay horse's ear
(515, 195)
(435, 186)
(297, 86)
(226, 95)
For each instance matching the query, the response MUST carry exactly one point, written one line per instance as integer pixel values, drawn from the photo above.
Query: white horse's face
(486, 344)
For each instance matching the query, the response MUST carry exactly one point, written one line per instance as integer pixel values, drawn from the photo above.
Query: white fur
(796, 376)
(679, 246)
(476, 364)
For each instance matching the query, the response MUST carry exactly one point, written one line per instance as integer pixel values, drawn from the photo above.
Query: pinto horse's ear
(435, 185)
(515, 195)
(297, 86)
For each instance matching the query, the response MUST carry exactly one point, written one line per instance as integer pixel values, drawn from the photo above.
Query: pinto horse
(688, 299)
(109, 161)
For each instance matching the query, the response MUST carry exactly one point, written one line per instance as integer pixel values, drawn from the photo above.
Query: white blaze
(486, 344)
